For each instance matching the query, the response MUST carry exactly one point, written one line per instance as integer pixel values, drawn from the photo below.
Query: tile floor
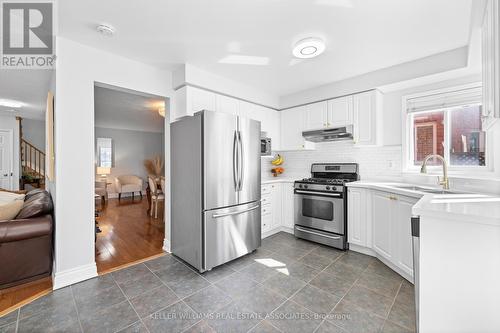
(288, 285)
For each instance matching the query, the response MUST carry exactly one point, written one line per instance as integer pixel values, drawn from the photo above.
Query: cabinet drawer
(267, 222)
(266, 210)
(266, 198)
(265, 189)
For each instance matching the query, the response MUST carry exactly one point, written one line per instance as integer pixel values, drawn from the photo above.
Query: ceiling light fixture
(106, 30)
(308, 48)
(10, 103)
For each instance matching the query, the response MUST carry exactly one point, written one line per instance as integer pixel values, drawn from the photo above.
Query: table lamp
(103, 171)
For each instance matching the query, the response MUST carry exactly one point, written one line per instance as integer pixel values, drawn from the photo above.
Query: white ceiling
(29, 87)
(125, 110)
(361, 35)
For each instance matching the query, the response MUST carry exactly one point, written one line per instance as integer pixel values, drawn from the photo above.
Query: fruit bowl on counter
(277, 161)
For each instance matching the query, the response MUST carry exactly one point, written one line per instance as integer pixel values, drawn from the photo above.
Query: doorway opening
(129, 184)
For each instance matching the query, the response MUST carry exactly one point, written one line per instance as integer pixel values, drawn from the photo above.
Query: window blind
(467, 96)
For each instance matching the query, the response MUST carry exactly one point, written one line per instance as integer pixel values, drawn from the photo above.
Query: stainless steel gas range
(321, 203)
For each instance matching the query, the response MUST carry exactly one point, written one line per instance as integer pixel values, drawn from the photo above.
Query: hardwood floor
(128, 234)
(14, 297)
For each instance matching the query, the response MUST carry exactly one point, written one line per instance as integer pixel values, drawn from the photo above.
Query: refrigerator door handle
(235, 161)
(215, 216)
(242, 161)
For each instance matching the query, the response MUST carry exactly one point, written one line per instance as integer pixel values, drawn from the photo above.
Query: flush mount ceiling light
(308, 48)
(10, 103)
(105, 30)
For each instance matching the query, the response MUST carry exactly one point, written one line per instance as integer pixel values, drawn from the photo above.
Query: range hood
(331, 134)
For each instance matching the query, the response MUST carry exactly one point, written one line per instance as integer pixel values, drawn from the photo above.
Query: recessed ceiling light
(10, 103)
(106, 30)
(308, 48)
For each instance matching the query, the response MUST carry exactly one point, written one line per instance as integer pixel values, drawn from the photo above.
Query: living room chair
(156, 196)
(101, 190)
(128, 184)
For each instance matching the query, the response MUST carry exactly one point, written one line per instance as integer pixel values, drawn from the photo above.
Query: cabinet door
(340, 111)
(316, 115)
(226, 104)
(273, 120)
(364, 120)
(292, 125)
(199, 99)
(288, 206)
(402, 225)
(382, 206)
(276, 203)
(357, 215)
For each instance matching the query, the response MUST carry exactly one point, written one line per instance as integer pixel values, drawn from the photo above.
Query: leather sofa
(26, 242)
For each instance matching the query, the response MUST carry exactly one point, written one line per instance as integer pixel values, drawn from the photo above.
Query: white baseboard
(74, 275)
(370, 252)
(362, 249)
(114, 195)
(288, 230)
(166, 246)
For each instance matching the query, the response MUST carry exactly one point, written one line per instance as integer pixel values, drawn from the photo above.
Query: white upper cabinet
(316, 115)
(292, 125)
(227, 104)
(340, 112)
(189, 100)
(491, 63)
(368, 118)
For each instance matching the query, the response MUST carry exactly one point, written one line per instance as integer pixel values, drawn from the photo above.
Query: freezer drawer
(231, 233)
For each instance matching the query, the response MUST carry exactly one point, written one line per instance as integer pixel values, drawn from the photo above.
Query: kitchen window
(446, 123)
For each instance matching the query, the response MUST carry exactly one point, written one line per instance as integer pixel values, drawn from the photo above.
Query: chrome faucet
(445, 181)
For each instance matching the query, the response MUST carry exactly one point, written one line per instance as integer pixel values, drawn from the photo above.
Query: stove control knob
(305, 186)
(327, 188)
(300, 186)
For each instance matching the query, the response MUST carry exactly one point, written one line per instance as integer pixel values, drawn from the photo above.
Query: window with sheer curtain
(448, 124)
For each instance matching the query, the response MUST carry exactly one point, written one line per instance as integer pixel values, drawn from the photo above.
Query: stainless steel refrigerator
(215, 188)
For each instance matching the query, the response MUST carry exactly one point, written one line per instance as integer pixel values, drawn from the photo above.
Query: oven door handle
(316, 233)
(335, 195)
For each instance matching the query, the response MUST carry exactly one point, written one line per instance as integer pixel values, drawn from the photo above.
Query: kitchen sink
(426, 189)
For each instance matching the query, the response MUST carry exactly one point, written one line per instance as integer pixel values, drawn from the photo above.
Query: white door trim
(11, 166)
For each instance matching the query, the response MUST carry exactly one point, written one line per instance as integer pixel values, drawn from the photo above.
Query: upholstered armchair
(128, 184)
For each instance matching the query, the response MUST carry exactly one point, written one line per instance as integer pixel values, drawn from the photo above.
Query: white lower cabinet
(288, 208)
(358, 205)
(276, 207)
(380, 222)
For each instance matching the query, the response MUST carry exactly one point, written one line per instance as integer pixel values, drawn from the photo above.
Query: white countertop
(387, 186)
(475, 208)
(466, 207)
(278, 180)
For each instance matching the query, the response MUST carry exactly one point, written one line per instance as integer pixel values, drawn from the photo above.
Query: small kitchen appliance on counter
(321, 203)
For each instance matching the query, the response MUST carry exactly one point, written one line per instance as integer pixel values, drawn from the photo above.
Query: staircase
(32, 163)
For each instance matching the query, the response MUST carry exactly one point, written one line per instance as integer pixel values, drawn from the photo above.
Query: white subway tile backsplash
(373, 161)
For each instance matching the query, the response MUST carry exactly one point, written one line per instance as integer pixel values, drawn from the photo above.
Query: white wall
(10, 123)
(130, 149)
(78, 68)
(34, 132)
